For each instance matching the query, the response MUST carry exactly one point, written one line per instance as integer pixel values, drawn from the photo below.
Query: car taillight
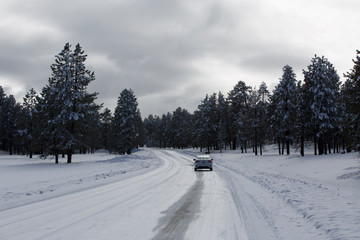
(209, 161)
(197, 161)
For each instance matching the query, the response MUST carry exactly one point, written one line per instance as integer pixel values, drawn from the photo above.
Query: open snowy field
(155, 194)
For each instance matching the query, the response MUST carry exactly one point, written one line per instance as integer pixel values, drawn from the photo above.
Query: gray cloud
(172, 53)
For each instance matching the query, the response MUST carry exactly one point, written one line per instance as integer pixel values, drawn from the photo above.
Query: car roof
(203, 157)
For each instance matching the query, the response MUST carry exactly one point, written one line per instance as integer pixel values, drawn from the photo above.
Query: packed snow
(156, 194)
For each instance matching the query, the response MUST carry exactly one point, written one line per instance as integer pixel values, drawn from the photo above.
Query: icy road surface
(156, 194)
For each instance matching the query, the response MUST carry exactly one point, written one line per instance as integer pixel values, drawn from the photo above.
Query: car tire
(195, 169)
(210, 169)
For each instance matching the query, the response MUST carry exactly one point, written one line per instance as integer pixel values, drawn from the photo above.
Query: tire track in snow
(179, 216)
(251, 193)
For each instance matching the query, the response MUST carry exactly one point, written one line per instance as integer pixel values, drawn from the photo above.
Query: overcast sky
(174, 52)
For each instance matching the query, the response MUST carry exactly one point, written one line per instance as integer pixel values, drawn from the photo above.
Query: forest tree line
(318, 109)
(64, 118)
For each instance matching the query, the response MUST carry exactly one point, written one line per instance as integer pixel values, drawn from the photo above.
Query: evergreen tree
(152, 131)
(91, 131)
(106, 121)
(351, 94)
(207, 122)
(223, 129)
(51, 128)
(180, 128)
(2, 119)
(322, 86)
(28, 125)
(165, 130)
(260, 113)
(139, 130)
(301, 123)
(283, 109)
(124, 125)
(67, 107)
(238, 100)
(11, 111)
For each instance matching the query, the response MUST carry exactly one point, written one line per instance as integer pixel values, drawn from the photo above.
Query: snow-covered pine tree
(154, 131)
(181, 128)
(238, 103)
(151, 126)
(283, 109)
(106, 119)
(50, 126)
(252, 119)
(261, 114)
(11, 111)
(28, 125)
(165, 130)
(67, 106)
(223, 122)
(322, 84)
(139, 130)
(124, 125)
(2, 118)
(301, 123)
(351, 95)
(206, 122)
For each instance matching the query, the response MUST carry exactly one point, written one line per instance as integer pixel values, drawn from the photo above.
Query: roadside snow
(321, 193)
(24, 180)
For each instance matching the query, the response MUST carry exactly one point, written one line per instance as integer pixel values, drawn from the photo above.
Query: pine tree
(301, 123)
(323, 88)
(165, 130)
(261, 114)
(124, 125)
(2, 118)
(139, 130)
(67, 107)
(283, 109)
(152, 126)
(106, 119)
(238, 99)
(11, 112)
(180, 128)
(223, 129)
(206, 122)
(351, 95)
(27, 127)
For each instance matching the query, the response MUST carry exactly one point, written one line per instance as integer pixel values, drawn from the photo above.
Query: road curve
(169, 202)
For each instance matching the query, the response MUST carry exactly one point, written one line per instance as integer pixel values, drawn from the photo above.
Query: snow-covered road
(159, 204)
(240, 199)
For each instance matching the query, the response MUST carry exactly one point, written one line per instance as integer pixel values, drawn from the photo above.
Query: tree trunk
(279, 146)
(321, 145)
(287, 147)
(302, 146)
(234, 144)
(69, 156)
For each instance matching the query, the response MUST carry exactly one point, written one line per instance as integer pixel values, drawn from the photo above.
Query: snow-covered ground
(156, 194)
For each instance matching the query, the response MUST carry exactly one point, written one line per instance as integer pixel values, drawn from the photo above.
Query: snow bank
(323, 190)
(24, 180)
